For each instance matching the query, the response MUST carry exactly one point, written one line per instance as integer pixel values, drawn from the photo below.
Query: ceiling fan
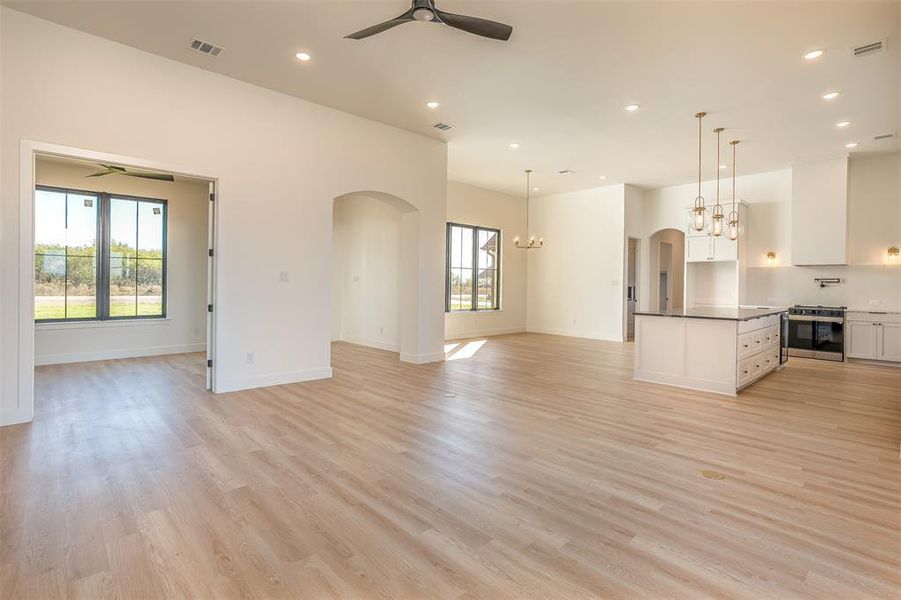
(424, 10)
(116, 170)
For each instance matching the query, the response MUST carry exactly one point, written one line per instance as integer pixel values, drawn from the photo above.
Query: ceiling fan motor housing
(423, 10)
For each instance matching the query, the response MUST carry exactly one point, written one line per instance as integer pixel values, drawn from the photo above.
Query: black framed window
(473, 268)
(98, 256)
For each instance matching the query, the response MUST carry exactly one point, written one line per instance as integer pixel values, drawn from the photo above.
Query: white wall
(472, 205)
(366, 259)
(184, 329)
(576, 281)
(280, 162)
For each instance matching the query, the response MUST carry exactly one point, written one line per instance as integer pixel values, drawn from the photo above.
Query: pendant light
(732, 230)
(717, 221)
(699, 212)
(532, 242)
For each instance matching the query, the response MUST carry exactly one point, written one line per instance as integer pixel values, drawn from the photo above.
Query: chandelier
(532, 243)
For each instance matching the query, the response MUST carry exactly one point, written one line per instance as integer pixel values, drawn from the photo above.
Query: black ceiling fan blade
(365, 33)
(483, 27)
(155, 176)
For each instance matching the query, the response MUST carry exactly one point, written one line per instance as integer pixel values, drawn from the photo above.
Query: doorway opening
(374, 274)
(667, 270)
(117, 262)
(633, 257)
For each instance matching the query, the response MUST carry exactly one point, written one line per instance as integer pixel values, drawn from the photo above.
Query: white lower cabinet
(874, 337)
(862, 339)
(889, 344)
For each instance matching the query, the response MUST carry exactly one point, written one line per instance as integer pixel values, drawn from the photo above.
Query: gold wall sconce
(894, 254)
(771, 257)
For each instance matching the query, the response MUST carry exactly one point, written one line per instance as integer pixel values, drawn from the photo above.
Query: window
(98, 256)
(473, 268)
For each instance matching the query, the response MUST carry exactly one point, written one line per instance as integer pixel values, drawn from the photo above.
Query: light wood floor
(537, 469)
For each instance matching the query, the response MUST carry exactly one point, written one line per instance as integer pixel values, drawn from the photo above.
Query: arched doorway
(375, 274)
(666, 270)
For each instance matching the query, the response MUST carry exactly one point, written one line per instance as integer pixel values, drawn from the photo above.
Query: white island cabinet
(715, 349)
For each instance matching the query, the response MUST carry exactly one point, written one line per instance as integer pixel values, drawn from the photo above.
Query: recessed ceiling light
(514, 145)
(851, 145)
(724, 166)
(813, 54)
(830, 96)
(534, 189)
(432, 104)
(602, 177)
(303, 56)
(843, 123)
(632, 107)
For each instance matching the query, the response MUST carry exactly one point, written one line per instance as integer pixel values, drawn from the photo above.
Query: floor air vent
(206, 47)
(868, 49)
(442, 126)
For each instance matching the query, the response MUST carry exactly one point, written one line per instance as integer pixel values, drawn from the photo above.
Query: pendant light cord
(718, 131)
(700, 118)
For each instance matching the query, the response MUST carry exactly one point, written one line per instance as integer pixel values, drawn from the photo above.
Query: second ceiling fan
(425, 11)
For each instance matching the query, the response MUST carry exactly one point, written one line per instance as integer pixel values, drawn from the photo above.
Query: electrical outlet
(771, 301)
(283, 276)
(356, 278)
(574, 321)
(196, 332)
(381, 330)
(250, 358)
(875, 302)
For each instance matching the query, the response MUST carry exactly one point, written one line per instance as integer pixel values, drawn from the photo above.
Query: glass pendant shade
(716, 227)
(732, 229)
(699, 215)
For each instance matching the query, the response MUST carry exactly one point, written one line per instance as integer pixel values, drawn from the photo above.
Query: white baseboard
(590, 335)
(274, 379)
(76, 357)
(380, 345)
(421, 359)
(15, 416)
(474, 333)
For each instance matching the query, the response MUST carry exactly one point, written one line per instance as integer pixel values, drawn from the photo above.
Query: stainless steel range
(817, 332)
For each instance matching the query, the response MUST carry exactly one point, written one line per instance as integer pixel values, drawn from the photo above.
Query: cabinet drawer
(746, 345)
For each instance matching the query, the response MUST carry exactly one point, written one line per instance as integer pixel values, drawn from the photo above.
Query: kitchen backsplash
(862, 287)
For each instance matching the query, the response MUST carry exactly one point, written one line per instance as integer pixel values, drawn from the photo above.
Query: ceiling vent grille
(205, 47)
(868, 49)
(883, 136)
(565, 172)
(442, 126)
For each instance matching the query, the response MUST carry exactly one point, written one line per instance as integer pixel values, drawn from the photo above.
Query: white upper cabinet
(819, 213)
(705, 248)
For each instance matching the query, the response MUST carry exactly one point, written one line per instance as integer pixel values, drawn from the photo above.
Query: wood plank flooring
(537, 468)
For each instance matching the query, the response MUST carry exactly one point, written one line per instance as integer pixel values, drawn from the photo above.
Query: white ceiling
(558, 87)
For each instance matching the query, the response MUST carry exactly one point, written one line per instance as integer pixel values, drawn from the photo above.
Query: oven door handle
(820, 319)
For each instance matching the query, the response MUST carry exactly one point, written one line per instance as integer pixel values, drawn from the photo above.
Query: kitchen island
(715, 349)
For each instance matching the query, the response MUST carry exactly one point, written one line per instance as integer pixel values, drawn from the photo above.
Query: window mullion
(105, 256)
(475, 268)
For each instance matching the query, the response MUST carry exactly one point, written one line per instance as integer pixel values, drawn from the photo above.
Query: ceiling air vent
(565, 172)
(868, 49)
(205, 47)
(442, 126)
(883, 136)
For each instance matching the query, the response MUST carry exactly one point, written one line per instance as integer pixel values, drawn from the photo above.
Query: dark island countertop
(725, 313)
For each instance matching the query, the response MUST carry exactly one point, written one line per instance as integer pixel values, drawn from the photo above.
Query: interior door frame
(28, 152)
(636, 256)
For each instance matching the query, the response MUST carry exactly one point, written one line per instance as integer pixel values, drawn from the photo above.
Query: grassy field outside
(84, 307)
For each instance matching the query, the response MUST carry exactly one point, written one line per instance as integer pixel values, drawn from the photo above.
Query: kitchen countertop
(724, 313)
